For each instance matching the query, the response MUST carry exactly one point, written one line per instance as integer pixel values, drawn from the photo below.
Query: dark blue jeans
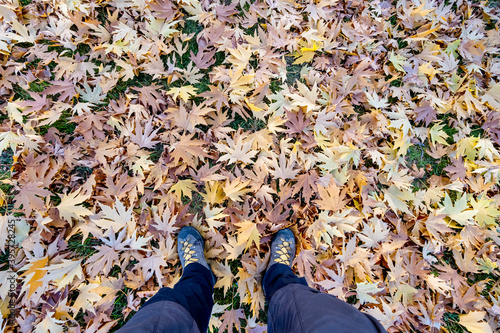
(277, 276)
(195, 288)
(297, 309)
(193, 291)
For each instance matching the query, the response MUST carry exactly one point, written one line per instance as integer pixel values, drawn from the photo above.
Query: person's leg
(295, 308)
(187, 306)
(193, 291)
(278, 276)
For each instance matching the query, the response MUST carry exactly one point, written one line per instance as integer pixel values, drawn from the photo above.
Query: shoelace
(284, 252)
(188, 254)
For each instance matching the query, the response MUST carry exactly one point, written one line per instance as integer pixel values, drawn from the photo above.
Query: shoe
(283, 248)
(190, 246)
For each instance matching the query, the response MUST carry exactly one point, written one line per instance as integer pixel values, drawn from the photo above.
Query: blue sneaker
(283, 248)
(190, 247)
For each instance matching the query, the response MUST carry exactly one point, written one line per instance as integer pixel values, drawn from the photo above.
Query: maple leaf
(473, 322)
(487, 210)
(215, 96)
(203, 60)
(396, 199)
(331, 198)
(152, 266)
(237, 150)
(95, 95)
(235, 189)
(187, 149)
(29, 197)
(233, 248)
(50, 324)
(375, 101)
(22, 33)
(492, 96)
(34, 274)
(212, 215)
(363, 291)
(165, 223)
(486, 265)
(306, 52)
(283, 169)
(425, 113)
(437, 284)
(214, 193)
(306, 99)
(183, 187)
(438, 135)
(466, 148)
(86, 297)
(64, 273)
(183, 92)
(350, 153)
(397, 60)
(231, 318)
(225, 277)
(248, 234)
(115, 218)
(459, 211)
(102, 261)
(374, 233)
(148, 96)
(68, 208)
(144, 137)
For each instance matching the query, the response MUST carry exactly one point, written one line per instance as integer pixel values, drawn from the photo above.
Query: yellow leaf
(214, 193)
(310, 49)
(425, 33)
(183, 92)
(235, 189)
(252, 106)
(438, 135)
(458, 212)
(183, 187)
(466, 147)
(50, 324)
(397, 61)
(248, 233)
(473, 322)
(34, 274)
(487, 211)
(363, 291)
(451, 49)
(306, 54)
(225, 277)
(396, 199)
(427, 69)
(213, 215)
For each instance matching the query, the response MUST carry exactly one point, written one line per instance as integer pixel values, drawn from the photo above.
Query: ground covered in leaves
(371, 128)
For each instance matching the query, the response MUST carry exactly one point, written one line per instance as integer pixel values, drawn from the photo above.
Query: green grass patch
(119, 305)
(293, 71)
(249, 124)
(82, 172)
(63, 124)
(451, 323)
(196, 203)
(417, 155)
(38, 86)
(85, 249)
(157, 152)
(20, 93)
(6, 162)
